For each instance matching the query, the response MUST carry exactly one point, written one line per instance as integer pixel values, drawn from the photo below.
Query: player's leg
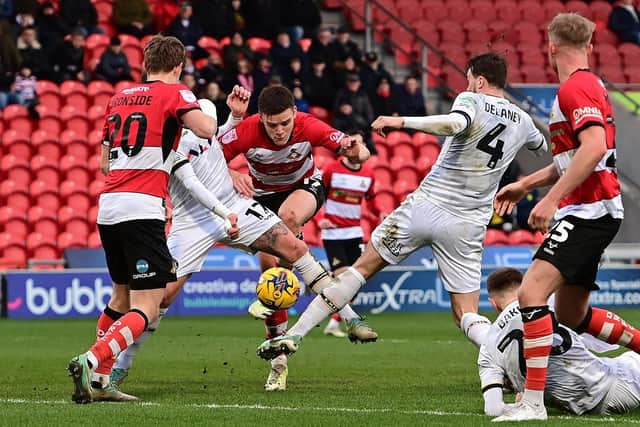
(624, 394)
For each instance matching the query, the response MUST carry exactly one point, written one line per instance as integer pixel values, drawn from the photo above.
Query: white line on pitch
(258, 407)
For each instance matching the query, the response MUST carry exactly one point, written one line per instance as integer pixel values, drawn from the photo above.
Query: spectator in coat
(32, 54)
(320, 49)
(133, 17)
(410, 99)
(80, 13)
(371, 72)
(302, 104)
(294, 75)
(319, 85)
(625, 21)
(343, 47)
(262, 17)
(213, 70)
(384, 102)
(234, 51)
(186, 28)
(113, 66)
(301, 18)
(216, 17)
(283, 50)
(68, 58)
(9, 57)
(51, 27)
(6, 9)
(360, 112)
(214, 93)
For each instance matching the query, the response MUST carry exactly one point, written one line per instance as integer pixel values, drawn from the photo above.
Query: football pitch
(204, 371)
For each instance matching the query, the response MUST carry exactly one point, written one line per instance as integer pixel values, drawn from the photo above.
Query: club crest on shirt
(187, 95)
(294, 154)
(229, 136)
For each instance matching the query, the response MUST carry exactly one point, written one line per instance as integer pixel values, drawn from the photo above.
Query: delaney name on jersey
(502, 112)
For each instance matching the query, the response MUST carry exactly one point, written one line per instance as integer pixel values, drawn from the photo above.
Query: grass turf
(203, 371)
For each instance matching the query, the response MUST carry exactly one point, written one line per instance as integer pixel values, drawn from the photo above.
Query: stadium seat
(422, 138)
(404, 149)
(458, 10)
(125, 84)
(43, 220)
(11, 161)
(35, 240)
(258, 44)
(451, 32)
(311, 234)
(17, 143)
(383, 153)
(74, 93)
(431, 11)
(70, 240)
(104, 9)
(408, 175)
(94, 241)
(46, 144)
(580, 7)
(401, 188)
(8, 239)
(552, 8)
(13, 256)
(75, 144)
(630, 54)
(305, 44)
(604, 35)
(209, 44)
(483, 10)
(424, 164)
(49, 120)
(17, 118)
(431, 151)
(495, 238)
(530, 11)
(607, 55)
(14, 221)
(14, 195)
(383, 175)
(397, 136)
(75, 119)
(613, 73)
(600, 10)
(477, 32)
(45, 169)
(134, 56)
(320, 113)
(386, 201)
(96, 115)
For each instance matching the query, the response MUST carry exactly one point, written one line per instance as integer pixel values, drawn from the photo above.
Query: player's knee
(290, 219)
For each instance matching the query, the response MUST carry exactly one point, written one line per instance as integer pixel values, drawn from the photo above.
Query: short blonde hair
(571, 29)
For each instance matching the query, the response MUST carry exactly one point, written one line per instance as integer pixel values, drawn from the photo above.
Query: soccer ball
(278, 288)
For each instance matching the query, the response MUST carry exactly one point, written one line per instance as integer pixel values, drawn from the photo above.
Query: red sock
(611, 328)
(336, 316)
(277, 323)
(120, 335)
(538, 339)
(105, 321)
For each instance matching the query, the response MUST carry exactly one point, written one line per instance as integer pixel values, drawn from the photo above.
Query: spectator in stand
(360, 115)
(244, 76)
(29, 7)
(261, 77)
(625, 21)
(214, 94)
(215, 16)
(80, 13)
(343, 47)
(213, 71)
(234, 51)
(189, 80)
(6, 9)
(301, 18)
(294, 75)
(32, 54)
(283, 50)
(319, 85)
(410, 100)
(24, 88)
(320, 49)
(384, 102)
(262, 17)
(239, 22)
(348, 67)
(187, 29)
(133, 17)
(69, 58)
(51, 27)
(371, 72)
(302, 104)
(113, 66)
(22, 21)
(9, 57)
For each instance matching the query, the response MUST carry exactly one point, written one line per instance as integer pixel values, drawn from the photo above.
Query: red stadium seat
(75, 144)
(209, 43)
(134, 55)
(432, 12)
(422, 138)
(603, 35)
(36, 240)
(600, 10)
(48, 94)
(305, 44)
(424, 164)
(69, 240)
(46, 86)
(320, 113)
(397, 136)
(96, 115)
(46, 144)
(75, 119)
(630, 54)
(552, 8)
(95, 188)
(607, 55)
(397, 162)
(311, 234)
(522, 237)
(17, 118)
(95, 41)
(129, 40)
(125, 84)
(13, 256)
(533, 73)
(458, 10)
(43, 220)
(93, 241)
(386, 201)
(75, 195)
(8, 239)
(496, 237)
(483, 10)
(104, 9)
(530, 11)
(17, 143)
(74, 93)
(404, 149)
(613, 74)
(431, 151)
(16, 170)
(580, 7)
(383, 175)
(451, 32)
(408, 175)
(78, 227)
(14, 221)
(258, 44)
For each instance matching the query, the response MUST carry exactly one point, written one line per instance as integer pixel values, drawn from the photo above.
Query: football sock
(106, 319)
(119, 336)
(475, 327)
(277, 323)
(342, 290)
(538, 339)
(280, 360)
(125, 360)
(333, 323)
(318, 279)
(611, 328)
(336, 316)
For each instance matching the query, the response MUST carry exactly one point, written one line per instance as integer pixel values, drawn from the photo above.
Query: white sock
(336, 296)
(333, 323)
(125, 360)
(475, 327)
(533, 397)
(315, 276)
(279, 361)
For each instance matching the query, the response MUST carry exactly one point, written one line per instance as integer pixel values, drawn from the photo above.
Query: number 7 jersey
(465, 177)
(142, 129)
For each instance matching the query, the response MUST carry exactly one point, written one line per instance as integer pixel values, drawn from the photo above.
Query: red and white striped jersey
(276, 168)
(142, 129)
(582, 101)
(345, 189)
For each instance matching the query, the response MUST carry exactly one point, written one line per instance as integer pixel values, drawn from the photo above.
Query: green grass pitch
(203, 371)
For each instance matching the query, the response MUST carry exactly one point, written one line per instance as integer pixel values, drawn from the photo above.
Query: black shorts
(575, 246)
(311, 185)
(343, 253)
(137, 254)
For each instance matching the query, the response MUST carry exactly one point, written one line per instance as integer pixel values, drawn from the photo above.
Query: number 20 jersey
(577, 380)
(142, 129)
(465, 177)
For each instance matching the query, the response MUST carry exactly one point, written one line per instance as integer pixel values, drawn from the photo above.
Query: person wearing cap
(302, 18)
(371, 71)
(283, 50)
(343, 47)
(51, 27)
(319, 85)
(320, 49)
(133, 17)
(353, 106)
(114, 65)
(186, 28)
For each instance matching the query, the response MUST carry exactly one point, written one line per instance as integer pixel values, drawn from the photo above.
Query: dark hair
(491, 66)
(503, 279)
(275, 100)
(163, 54)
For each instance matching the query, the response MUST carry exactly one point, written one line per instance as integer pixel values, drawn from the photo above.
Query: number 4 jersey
(465, 177)
(142, 129)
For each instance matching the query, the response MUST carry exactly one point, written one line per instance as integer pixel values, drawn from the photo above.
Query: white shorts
(190, 241)
(456, 243)
(624, 395)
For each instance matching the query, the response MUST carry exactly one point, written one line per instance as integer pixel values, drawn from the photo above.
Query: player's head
(569, 32)
(277, 113)
(486, 71)
(502, 286)
(164, 55)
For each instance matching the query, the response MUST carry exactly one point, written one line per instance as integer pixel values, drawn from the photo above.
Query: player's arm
(184, 172)
(509, 195)
(199, 123)
(104, 159)
(536, 142)
(354, 150)
(441, 124)
(238, 102)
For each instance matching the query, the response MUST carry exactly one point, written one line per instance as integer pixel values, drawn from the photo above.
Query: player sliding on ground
(577, 381)
(450, 209)
(195, 230)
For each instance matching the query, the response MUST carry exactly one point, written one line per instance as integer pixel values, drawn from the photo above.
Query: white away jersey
(465, 177)
(577, 380)
(210, 167)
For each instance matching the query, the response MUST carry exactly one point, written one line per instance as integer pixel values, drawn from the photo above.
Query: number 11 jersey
(142, 129)
(465, 177)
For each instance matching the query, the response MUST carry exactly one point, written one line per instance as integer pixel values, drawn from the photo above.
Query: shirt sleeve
(580, 104)
(536, 141)
(231, 142)
(467, 104)
(321, 134)
(106, 140)
(326, 176)
(184, 101)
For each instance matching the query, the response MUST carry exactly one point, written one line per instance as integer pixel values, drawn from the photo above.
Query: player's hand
(238, 101)
(325, 223)
(347, 142)
(542, 214)
(383, 122)
(259, 311)
(242, 183)
(508, 196)
(231, 225)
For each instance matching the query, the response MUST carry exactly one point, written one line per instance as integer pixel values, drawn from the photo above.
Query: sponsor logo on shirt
(187, 95)
(579, 114)
(229, 136)
(135, 89)
(336, 136)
